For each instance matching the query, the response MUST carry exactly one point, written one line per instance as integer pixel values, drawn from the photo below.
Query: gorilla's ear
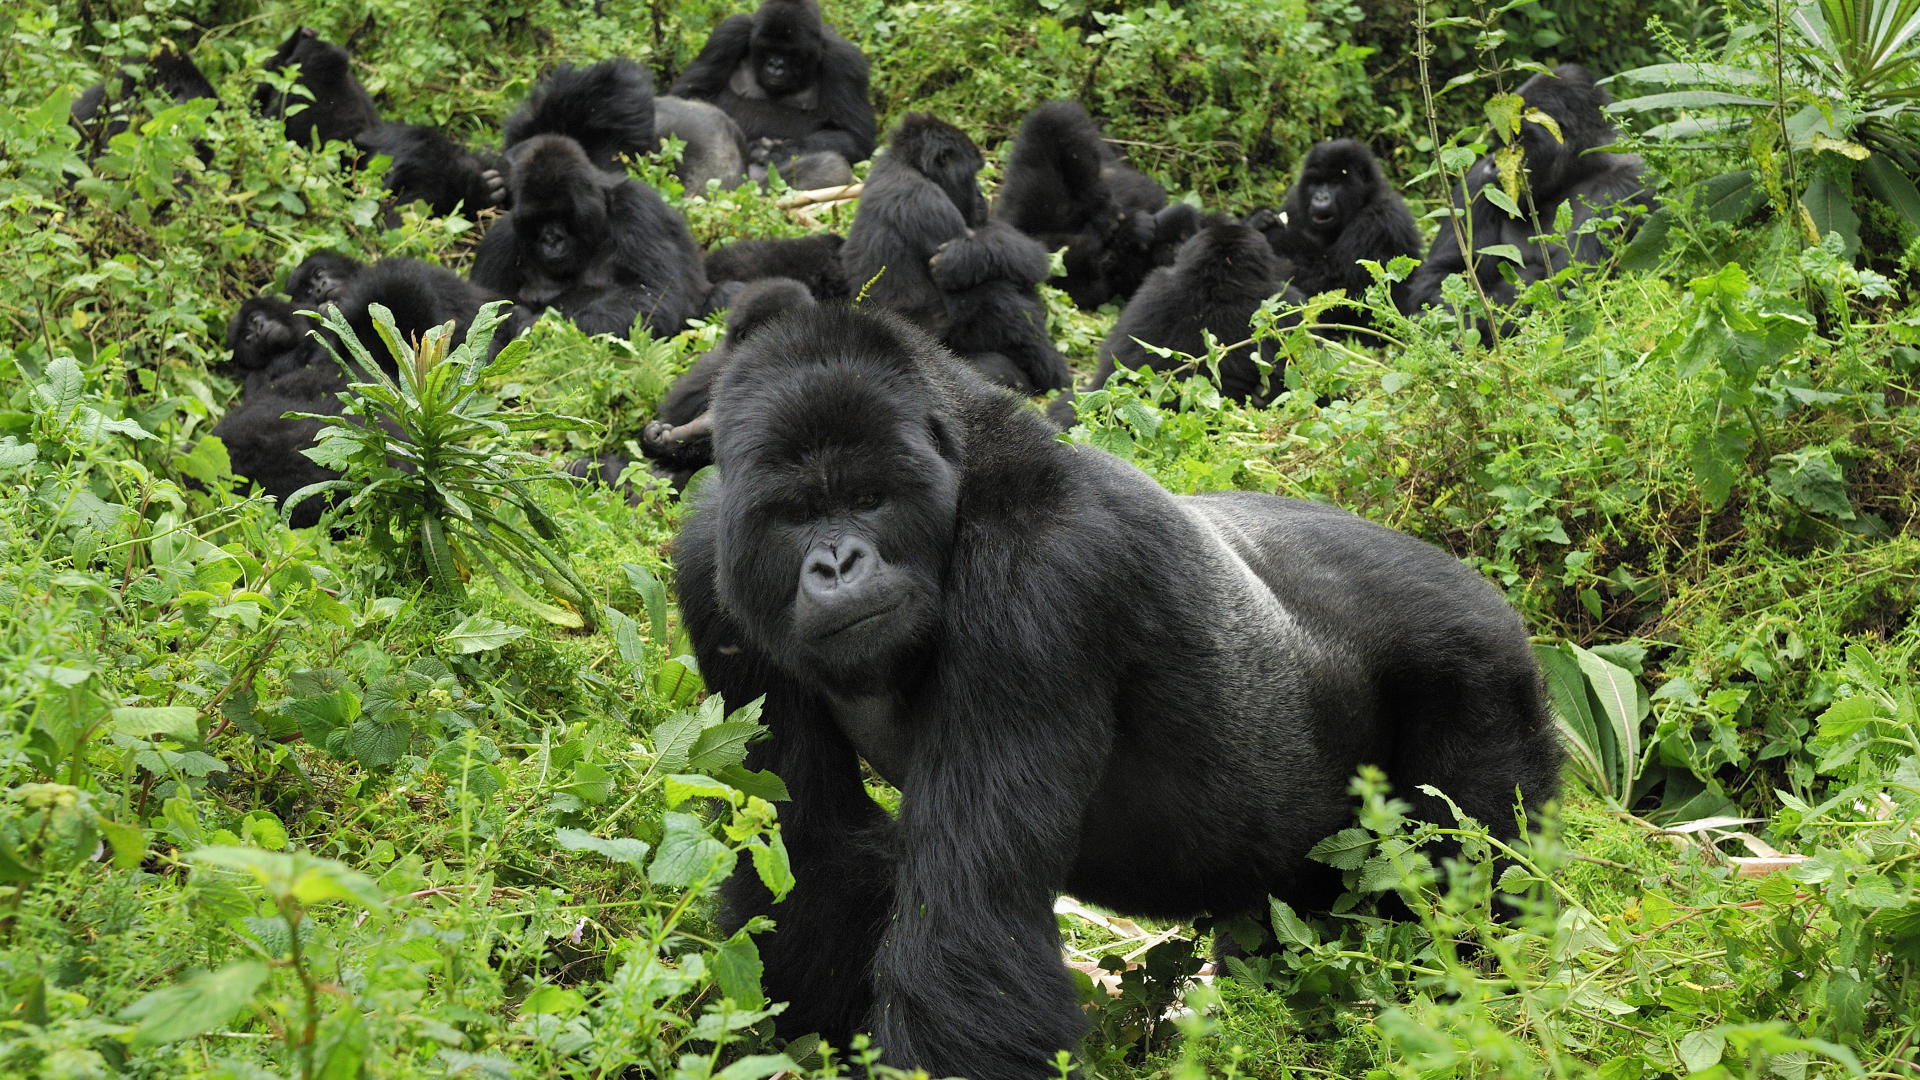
(946, 438)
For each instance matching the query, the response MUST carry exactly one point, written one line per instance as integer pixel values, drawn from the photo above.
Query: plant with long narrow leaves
(1837, 79)
(427, 469)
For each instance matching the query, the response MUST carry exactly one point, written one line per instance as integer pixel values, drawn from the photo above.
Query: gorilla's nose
(835, 570)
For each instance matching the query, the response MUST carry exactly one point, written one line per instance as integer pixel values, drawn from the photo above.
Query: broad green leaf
(1830, 203)
(770, 862)
(297, 876)
(1893, 188)
(736, 967)
(1345, 850)
(687, 855)
(1290, 929)
(622, 850)
(721, 746)
(179, 722)
(478, 633)
(196, 1005)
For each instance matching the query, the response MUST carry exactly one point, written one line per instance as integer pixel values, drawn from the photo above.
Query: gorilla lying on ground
(796, 87)
(922, 193)
(1571, 169)
(602, 250)
(1341, 211)
(1220, 278)
(264, 444)
(1077, 681)
(814, 261)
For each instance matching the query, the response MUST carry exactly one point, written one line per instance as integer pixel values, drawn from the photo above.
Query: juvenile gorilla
(797, 88)
(1340, 212)
(814, 261)
(911, 569)
(340, 107)
(1220, 278)
(995, 317)
(602, 250)
(922, 193)
(1571, 170)
(606, 107)
(265, 445)
(1066, 187)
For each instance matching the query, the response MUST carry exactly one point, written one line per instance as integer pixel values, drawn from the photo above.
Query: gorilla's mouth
(1322, 217)
(858, 620)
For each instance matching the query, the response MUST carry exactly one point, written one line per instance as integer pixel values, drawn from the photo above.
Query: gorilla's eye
(869, 500)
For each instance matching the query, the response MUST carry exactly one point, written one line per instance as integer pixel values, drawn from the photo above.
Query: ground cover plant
(435, 788)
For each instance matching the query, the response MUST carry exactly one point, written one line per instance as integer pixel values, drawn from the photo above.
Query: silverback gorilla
(797, 89)
(1076, 680)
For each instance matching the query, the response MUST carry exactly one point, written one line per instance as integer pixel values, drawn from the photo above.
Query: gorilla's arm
(845, 108)
(839, 841)
(1381, 230)
(1614, 183)
(994, 252)
(707, 76)
(992, 811)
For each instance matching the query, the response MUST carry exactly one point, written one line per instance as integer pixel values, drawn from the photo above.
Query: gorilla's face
(559, 208)
(1339, 179)
(322, 278)
(785, 50)
(262, 331)
(837, 505)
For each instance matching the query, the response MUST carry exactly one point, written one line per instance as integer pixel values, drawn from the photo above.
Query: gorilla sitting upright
(1076, 680)
(1571, 168)
(797, 89)
(1340, 212)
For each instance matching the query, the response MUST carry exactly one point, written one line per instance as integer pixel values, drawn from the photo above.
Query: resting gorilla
(1340, 212)
(602, 250)
(165, 72)
(715, 147)
(1220, 278)
(268, 335)
(912, 570)
(996, 320)
(606, 107)
(340, 109)
(1065, 186)
(794, 85)
(919, 195)
(1572, 170)
(814, 261)
(265, 445)
(679, 438)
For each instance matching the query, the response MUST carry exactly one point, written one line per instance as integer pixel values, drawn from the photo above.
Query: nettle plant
(425, 467)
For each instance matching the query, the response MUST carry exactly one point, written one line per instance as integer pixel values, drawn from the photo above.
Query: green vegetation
(442, 795)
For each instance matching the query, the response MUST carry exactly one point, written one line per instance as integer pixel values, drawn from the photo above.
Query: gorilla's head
(785, 46)
(1339, 178)
(559, 206)
(945, 155)
(322, 278)
(1227, 259)
(1577, 107)
(265, 334)
(840, 461)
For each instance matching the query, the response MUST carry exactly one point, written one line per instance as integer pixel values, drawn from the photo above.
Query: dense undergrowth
(271, 804)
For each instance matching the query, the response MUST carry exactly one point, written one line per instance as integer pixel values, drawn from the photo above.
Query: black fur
(793, 84)
(1340, 211)
(166, 73)
(606, 107)
(264, 445)
(429, 165)
(910, 568)
(1066, 187)
(1219, 279)
(1574, 171)
(322, 278)
(266, 335)
(602, 250)
(676, 440)
(995, 317)
(340, 108)
(922, 193)
(812, 260)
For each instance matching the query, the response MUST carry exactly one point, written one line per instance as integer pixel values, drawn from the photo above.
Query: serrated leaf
(721, 746)
(687, 855)
(682, 786)
(1344, 850)
(736, 967)
(1289, 929)
(378, 744)
(771, 863)
(1701, 1050)
(196, 1005)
